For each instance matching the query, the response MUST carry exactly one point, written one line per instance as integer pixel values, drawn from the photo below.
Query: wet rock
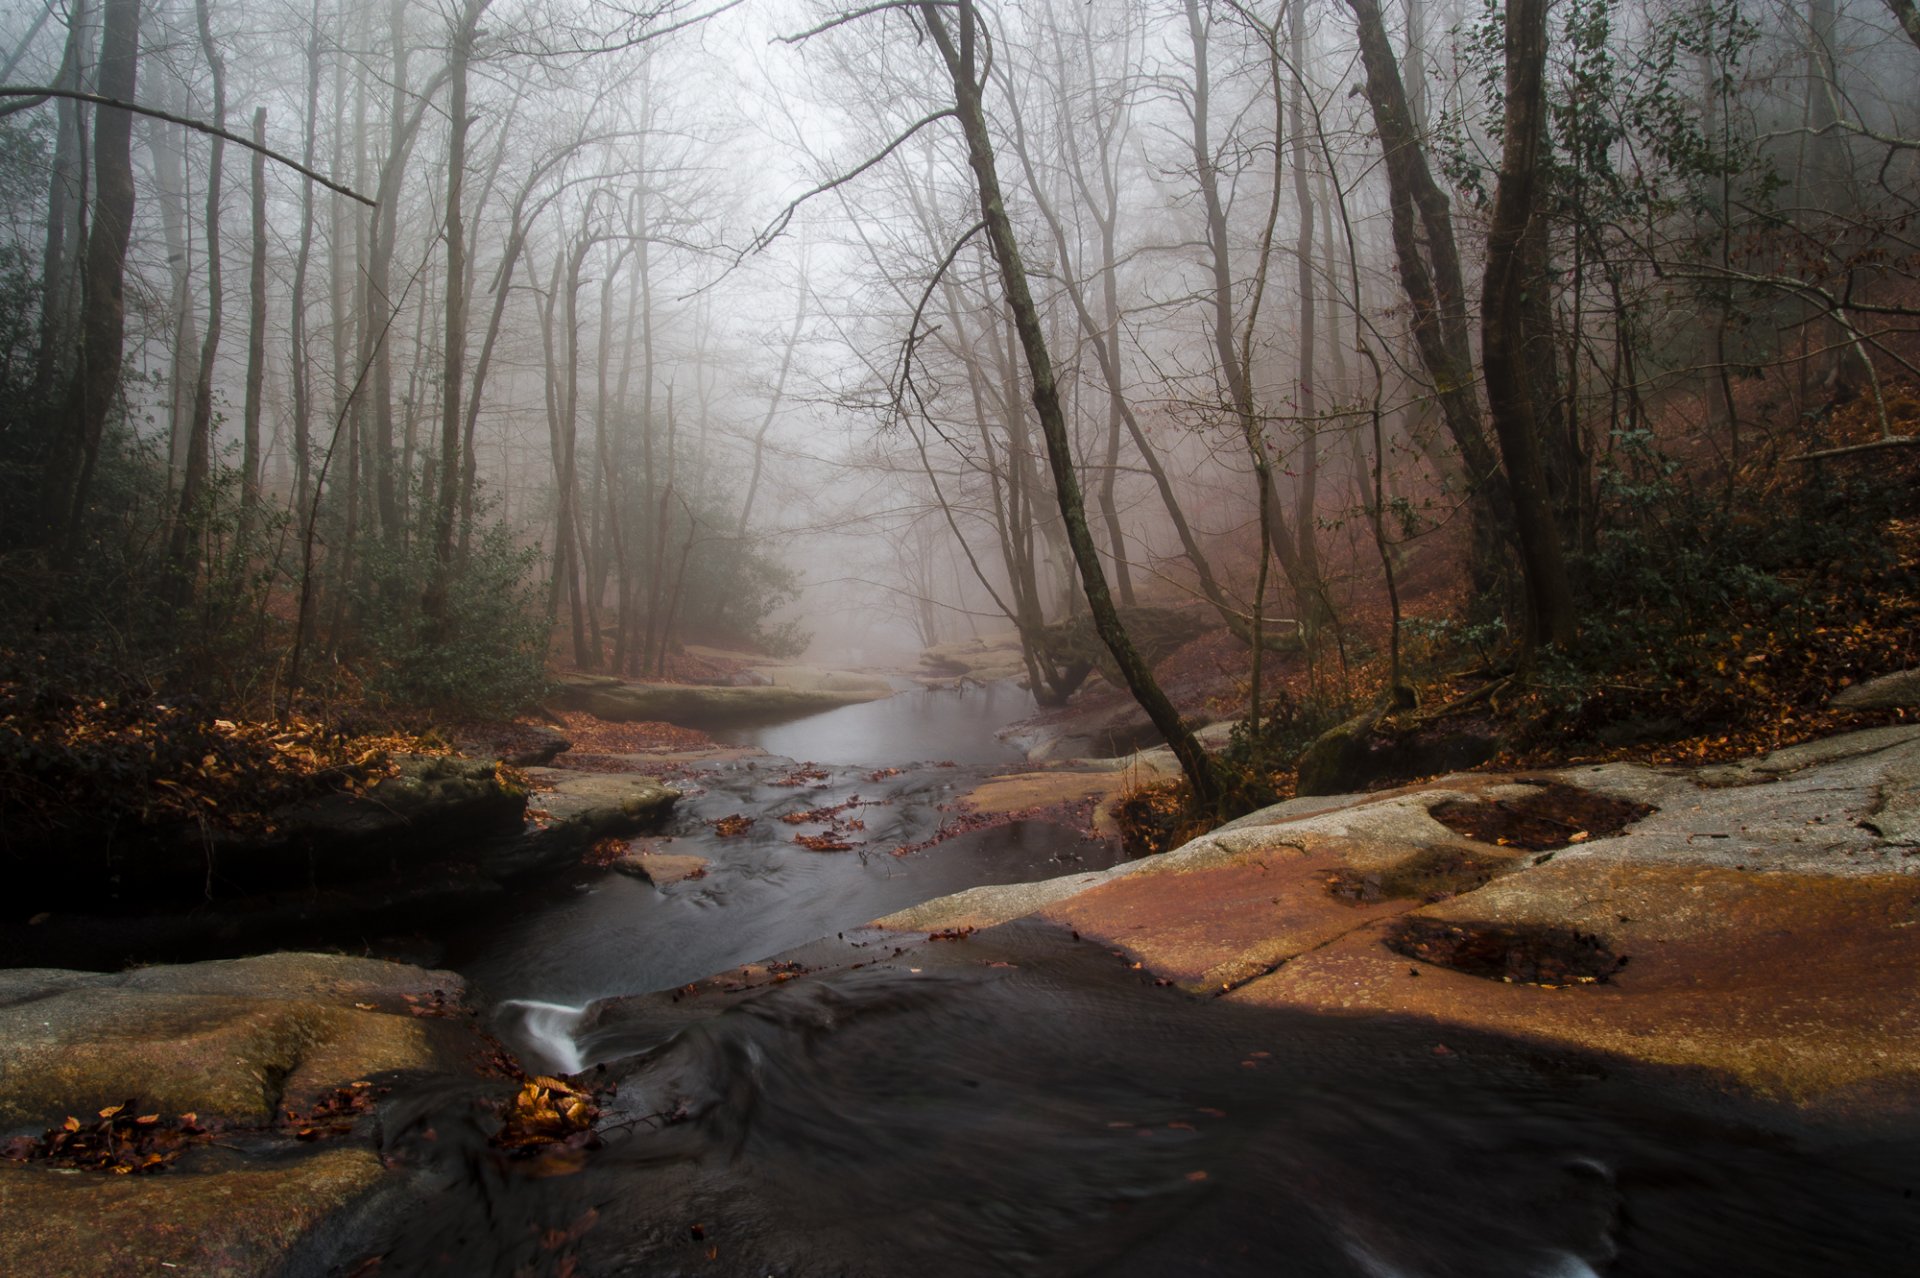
(231, 1040)
(1772, 931)
(1113, 733)
(579, 809)
(662, 869)
(211, 1221)
(1897, 691)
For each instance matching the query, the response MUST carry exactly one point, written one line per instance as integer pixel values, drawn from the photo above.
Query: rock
(1360, 753)
(986, 659)
(814, 679)
(581, 808)
(696, 706)
(1112, 733)
(520, 744)
(538, 746)
(1895, 815)
(206, 1219)
(1768, 932)
(432, 808)
(662, 869)
(1897, 691)
(230, 1040)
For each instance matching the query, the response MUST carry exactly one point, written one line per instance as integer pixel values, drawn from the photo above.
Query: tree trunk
(193, 478)
(96, 374)
(1550, 613)
(1428, 262)
(300, 372)
(65, 246)
(959, 56)
(454, 344)
(256, 334)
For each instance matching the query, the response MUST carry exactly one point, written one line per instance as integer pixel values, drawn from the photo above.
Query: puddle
(1554, 816)
(1518, 955)
(1432, 874)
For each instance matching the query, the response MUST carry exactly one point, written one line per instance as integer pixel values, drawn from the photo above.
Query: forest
(421, 418)
(386, 356)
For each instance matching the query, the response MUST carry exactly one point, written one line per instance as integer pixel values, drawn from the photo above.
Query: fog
(713, 339)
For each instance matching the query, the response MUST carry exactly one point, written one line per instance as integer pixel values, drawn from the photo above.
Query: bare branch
(912, 338)
(854, 15)
(39, 94)
(775, 228)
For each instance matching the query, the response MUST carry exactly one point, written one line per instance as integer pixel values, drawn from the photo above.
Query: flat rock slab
(569, 796)
(1796, 986)
(698, 706)
(1023, 791)
(986, 659)
(231, 1041)
(662, 869)
(1769, 921)
(234, 1223)
(817, 679)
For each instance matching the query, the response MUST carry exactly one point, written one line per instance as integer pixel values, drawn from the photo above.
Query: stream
(1019, 1101)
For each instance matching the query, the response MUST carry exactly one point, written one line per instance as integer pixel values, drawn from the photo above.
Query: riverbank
(1732, 945)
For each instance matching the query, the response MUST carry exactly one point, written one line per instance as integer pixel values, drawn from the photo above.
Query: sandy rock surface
(1762, 921)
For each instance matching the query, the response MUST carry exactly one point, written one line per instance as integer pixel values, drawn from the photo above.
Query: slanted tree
(958, 44)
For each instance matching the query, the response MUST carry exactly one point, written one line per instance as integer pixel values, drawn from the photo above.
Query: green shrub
(489, 656)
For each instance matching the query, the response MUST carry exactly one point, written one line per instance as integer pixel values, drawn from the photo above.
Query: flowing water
(1022, 1102)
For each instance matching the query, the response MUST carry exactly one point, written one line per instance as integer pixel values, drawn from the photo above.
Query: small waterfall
(545, 1030)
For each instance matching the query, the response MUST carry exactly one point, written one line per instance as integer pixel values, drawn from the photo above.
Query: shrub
(489, 657)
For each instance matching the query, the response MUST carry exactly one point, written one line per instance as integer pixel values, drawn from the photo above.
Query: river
(1021, 1101)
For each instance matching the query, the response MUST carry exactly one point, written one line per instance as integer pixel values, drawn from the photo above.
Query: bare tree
(959, 50)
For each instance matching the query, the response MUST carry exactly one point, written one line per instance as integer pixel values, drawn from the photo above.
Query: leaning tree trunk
(957, 50)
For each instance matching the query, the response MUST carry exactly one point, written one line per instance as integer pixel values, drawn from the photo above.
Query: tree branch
(39, 94)
(779, 224)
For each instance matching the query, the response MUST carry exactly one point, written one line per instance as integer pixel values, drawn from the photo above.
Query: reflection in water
(922, 726)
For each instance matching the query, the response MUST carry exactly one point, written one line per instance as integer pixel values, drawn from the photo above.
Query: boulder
(578, 809)
(231, 1041)
(1897, 691)
(431, 808)
(1365, 751)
